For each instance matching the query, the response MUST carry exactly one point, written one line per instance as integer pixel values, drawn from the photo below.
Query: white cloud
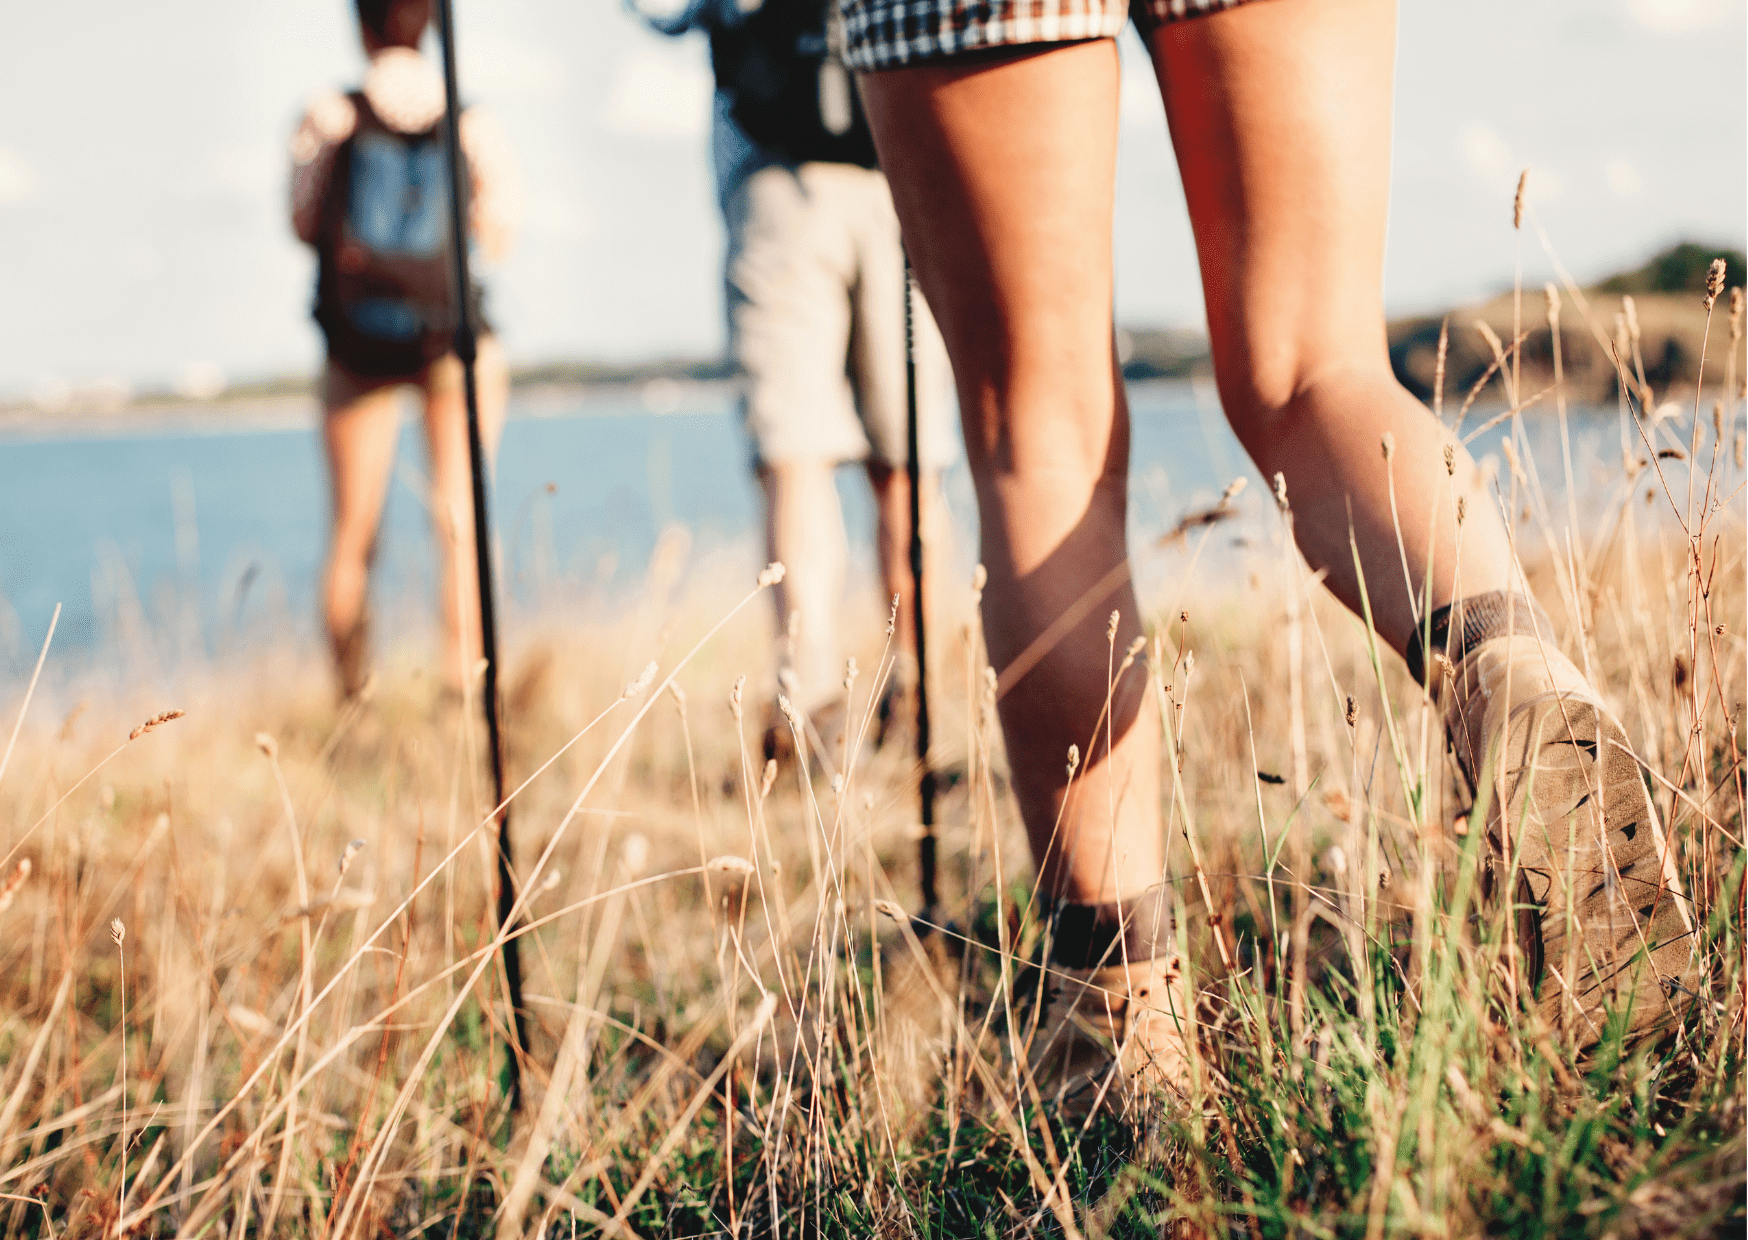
(18, 180)
(1487, 155)
(1497, 167)
(1622, 177)
(656, 94)
(1680, 16)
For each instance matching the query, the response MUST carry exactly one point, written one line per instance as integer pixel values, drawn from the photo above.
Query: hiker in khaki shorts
(815, 295)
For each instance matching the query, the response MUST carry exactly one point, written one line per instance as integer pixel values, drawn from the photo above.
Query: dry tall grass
(303, 1031)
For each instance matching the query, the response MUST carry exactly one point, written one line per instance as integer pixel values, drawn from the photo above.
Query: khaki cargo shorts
(815, 278)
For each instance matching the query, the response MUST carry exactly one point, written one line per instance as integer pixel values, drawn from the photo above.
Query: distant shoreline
(533, 398)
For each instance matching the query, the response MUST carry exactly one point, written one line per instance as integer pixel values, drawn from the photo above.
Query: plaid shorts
(884, 34)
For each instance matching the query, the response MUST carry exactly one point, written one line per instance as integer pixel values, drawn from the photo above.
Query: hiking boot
(1603, 926)
(895, 717)
(352, 657)
(1137, 1015)
(823, 727)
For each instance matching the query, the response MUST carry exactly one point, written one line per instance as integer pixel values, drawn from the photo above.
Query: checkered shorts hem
(884, 34)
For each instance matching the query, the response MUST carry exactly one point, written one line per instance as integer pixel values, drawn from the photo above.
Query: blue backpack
(383, 294)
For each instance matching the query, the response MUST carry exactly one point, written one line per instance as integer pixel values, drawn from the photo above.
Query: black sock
(1090, 936)
(1464, 624)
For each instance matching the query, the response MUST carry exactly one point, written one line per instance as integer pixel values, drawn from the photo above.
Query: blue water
(189, 541)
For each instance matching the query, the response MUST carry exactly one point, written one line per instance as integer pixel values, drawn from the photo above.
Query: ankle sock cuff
(1090, 936)
(1465, 623)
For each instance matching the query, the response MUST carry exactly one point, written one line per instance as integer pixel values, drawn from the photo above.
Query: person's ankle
(1094, 935)
(1465, 623)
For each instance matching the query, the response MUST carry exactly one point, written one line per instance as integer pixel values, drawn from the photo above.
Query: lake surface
(196, 534)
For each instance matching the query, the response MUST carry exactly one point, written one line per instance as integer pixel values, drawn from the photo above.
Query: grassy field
(248, 986)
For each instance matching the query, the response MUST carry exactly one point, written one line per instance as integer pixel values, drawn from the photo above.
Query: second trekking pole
(466, 349)
(913, 469)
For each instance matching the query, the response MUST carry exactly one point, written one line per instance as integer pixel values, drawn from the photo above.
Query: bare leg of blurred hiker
(1280, 116)
(804, 530)
(360, 431)
(452, 494)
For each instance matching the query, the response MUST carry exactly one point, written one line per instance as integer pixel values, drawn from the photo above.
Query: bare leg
(452, 494)
(804, 529)
(1010, 230)
(892, 541)
(1280, 115)
(359, 433)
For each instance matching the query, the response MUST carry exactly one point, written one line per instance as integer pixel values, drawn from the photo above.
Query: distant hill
(1679, 269)
(1667, 295)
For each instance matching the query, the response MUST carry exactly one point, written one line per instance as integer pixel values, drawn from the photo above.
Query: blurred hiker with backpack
(815, 296)
(369, 192)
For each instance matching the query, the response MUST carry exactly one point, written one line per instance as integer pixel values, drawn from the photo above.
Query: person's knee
(1266, 387)
(352, 545)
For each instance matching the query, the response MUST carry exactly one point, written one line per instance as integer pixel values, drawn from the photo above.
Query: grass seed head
(1517, 201)
(642, 682)
(1630, 310)
(1388, 443)
(1450, 461)
(1073, 760)
(1111, 627)
(1736, 313)
(1353, 711)
(1281, 492)
(117, 931)
(734, 696)
(267, 745)
(730, 865)
(1551, 299)
(773, 573)
(1714, 282)
(888, 908)
(155, 721)
(769, 779)
(14, 881)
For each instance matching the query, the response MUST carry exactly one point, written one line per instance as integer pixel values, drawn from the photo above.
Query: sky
(143, 174)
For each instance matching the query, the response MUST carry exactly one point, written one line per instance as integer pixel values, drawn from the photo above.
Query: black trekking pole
(466, 349)
(913, 469)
